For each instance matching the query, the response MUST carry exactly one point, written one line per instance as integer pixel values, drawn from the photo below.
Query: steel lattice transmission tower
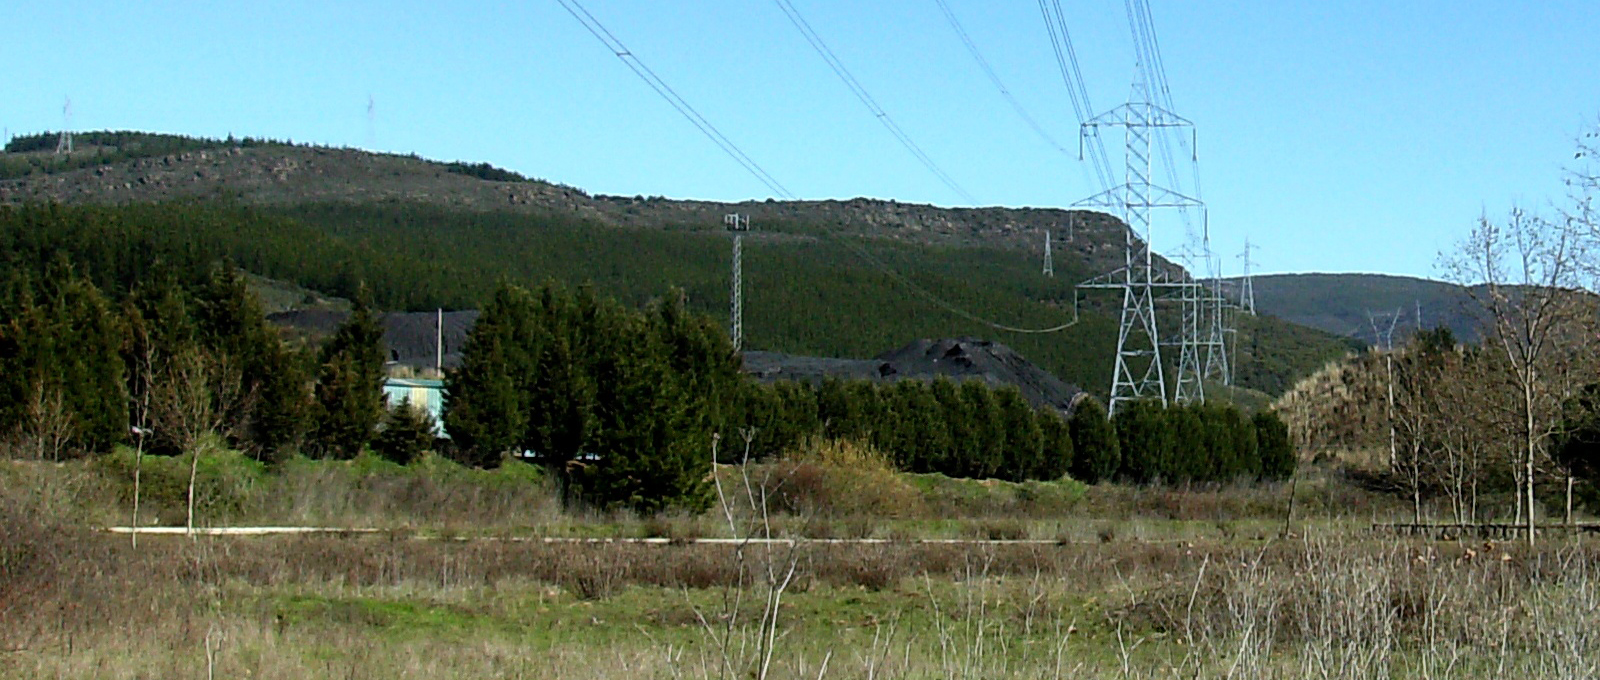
(1137, 373)
(738, 225)
(1217, 366)
(64, 142)
(1049, 262)
(1247, 289)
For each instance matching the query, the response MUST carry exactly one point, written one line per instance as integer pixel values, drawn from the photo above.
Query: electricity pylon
(1137, 372)
(1247, 289)
(1049, 264)
(64, 142)
(738, 224)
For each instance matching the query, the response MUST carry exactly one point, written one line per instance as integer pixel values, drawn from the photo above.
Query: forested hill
(823, 278)
(1361, 305)
(134, 167)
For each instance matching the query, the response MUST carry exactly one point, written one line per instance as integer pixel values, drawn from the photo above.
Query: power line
(599, 31)
(977, 55)
(861, 93)
(1055, 24)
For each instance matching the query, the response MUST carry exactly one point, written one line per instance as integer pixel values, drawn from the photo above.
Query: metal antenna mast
(738, 224)
(64, 143)
(1137, 373)
(1049, 263)
(1247, 289)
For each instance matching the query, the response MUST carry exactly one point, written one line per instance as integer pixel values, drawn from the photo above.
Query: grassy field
(1123, 582)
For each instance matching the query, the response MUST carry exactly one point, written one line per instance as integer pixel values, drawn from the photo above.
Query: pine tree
(407, 434)
(648, 456)
(486, 398)
(349, 389)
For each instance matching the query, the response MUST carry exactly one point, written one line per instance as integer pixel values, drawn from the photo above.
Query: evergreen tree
(1057, 451)
(60, 356)
(1190, 456)
(797, 416)
(1278, 459)
(560, 395)
(869, 414)
(1096, 456)
(836, 409)
(349, 389)
(231, 328)
(1245, 460)
(407, 434)
(963, 436)
(989, 430)
(483, 413)
(923, 439)
(1145, 438)
(284, 407)
(1024, 439)
(648, 453)
(486, 397)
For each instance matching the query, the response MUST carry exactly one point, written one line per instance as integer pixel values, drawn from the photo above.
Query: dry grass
(89, 605)
(1226, 599)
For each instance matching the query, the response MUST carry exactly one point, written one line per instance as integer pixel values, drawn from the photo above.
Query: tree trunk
(1569, 499)
(1527, 410)
(1516, 474)
(194, 469)
(138, 468)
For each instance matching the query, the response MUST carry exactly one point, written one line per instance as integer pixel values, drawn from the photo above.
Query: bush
(838, 478)
(228, 485)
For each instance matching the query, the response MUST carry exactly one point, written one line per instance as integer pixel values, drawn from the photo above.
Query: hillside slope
(1351, 304)
(823, 278)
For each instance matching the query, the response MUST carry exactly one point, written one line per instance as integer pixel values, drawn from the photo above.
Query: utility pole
(738, 224)
(438, 343)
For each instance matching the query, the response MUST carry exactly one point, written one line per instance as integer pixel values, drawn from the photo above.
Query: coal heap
(957, 359)
(409, 338)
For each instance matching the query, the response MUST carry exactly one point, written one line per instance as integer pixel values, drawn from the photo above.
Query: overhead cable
(599, 31)
(977, 55)
(861, 93)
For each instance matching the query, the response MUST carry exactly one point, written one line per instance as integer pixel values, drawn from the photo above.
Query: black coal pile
(957, 359)
(409, 338)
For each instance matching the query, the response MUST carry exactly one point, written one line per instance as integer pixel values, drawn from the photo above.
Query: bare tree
(192, 401)
(49, 424)
(1523, 278)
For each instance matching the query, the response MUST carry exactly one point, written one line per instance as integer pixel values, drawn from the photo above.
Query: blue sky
(1339, 136)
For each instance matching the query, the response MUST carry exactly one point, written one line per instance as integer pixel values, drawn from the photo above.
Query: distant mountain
(1353, 305)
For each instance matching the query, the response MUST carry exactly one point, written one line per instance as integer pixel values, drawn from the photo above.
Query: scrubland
(478, 574)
